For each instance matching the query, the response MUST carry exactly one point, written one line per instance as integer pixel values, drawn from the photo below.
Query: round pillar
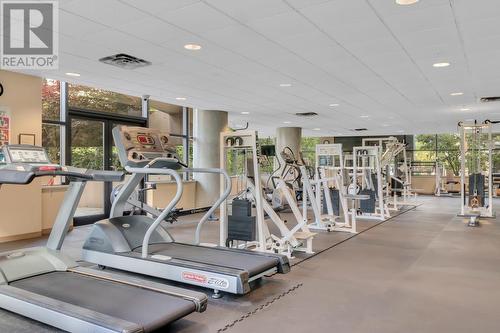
(207, 126)
(288, 137)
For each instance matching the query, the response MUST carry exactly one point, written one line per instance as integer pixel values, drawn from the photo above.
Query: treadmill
(44, 285)
(140, 244)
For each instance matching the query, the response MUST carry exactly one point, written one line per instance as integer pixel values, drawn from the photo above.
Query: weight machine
(366, 179)
(328, 203)
(254, 231)
(444, 184)
(291, 174)
(397, 174)
(476, 181)
(440, 173)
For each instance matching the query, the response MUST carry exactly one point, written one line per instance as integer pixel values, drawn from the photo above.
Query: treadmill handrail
(176, 199)
(222, 198)
(167, 210)
(10, 176)
(227, 190)
(14, 173)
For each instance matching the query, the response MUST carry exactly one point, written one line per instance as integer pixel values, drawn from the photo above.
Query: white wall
(21, 206)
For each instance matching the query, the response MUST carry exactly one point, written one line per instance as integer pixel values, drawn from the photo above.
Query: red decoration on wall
(4, 128)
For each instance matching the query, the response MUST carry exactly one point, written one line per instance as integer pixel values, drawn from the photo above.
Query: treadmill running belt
(151, 310)
(251, 262)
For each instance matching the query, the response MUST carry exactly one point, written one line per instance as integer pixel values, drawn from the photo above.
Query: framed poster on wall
(27, 139)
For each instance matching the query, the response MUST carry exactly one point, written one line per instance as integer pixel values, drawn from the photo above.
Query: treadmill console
(24, 162)
(139, 146)
(26, 154)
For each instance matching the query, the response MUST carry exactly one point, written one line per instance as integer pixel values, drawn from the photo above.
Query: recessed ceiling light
(465, 109)
(285, 84)
(334, 104)
(180, 98)
(457, 94)
(401, 131)
(287, 122)
(245, 112)
(72, 74)
(441, 64)
(192, 47)
(406, 2)
(316, 129)
(385, 125)
(364, 116)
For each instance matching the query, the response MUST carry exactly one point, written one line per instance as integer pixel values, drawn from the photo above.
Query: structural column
(288, 137)
(207, 125)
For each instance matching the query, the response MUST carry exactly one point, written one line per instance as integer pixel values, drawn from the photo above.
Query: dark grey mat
(421, 271)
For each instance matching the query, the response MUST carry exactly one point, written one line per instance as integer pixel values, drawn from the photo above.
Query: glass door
(87, 149)
(91, 146)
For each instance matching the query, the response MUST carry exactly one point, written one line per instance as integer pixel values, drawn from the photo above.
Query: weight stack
(241, 225)
(334, 195)
(476, 185)
(367, 206)
(375, 183)
(396, 185)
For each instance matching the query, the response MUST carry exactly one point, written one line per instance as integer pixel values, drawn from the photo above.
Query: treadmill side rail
(283, 266)
(232, 281)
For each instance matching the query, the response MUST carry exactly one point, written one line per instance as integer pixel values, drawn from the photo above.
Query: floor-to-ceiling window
(308, 149)
(91, 116)
(444, 148)
(53, 121)
(77, 124)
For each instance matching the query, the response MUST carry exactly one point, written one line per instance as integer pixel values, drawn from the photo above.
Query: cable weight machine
(476, 181)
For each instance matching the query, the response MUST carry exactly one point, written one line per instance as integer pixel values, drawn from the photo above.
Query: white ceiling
(373, 57)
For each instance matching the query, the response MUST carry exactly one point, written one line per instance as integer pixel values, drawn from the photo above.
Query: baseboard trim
(20, 237)
(47, 231)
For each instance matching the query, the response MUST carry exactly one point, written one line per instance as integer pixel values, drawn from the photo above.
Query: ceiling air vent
(359, 129)
(306, 114)
(490, 99)
(125, 61)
